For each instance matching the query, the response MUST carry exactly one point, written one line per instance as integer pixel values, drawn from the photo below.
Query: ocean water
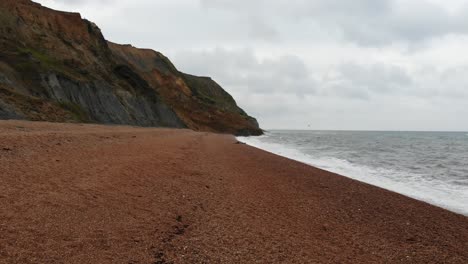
(428, 166)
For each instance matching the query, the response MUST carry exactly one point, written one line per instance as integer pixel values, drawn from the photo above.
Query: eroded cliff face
(56, 66)
(199, 101)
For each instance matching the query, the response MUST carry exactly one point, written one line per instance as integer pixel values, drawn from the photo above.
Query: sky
(310, 64)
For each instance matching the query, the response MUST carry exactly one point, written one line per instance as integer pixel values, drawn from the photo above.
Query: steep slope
(56, 66)
(199, 101)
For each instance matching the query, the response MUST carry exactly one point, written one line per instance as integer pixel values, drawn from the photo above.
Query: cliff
(56, 66)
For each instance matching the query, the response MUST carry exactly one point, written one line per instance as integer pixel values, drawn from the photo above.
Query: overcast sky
(311, 64)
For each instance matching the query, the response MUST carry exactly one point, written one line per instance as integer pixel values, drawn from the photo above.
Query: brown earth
(73, 193)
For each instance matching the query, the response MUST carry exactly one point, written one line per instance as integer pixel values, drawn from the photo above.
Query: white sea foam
(436, 192)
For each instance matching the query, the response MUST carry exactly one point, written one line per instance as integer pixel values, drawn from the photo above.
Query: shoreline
(91, 193)
(402, 188)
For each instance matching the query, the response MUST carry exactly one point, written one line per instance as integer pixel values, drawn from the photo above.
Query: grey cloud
(257, 26)
(81, 2)
(251, 6)
(367, 22)
(283, 93)
(374, 78)
(448, 83)
(240, 68)
(259, 29)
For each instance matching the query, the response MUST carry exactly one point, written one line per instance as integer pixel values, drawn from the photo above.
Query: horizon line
(363, 130)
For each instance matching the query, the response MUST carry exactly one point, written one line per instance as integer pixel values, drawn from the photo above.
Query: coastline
(93, 193)
(411, 184)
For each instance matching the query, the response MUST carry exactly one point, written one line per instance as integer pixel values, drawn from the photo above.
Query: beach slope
(72, 193)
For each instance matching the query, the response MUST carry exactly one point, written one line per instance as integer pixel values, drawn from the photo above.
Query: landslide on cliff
(57, 66)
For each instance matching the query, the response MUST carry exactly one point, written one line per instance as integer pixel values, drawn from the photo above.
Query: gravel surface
(72, 193)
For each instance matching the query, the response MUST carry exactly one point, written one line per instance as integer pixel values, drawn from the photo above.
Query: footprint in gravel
(179, 218)
(179, 229)
(161, 259)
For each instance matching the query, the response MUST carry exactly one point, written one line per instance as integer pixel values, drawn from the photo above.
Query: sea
(428, 166)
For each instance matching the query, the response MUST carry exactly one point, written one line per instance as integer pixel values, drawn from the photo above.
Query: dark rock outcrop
(56, 66)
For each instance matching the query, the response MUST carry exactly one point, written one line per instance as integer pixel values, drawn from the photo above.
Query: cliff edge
(57, 66)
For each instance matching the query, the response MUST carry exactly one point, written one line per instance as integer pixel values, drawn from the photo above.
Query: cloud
(367, 22)
(75, 2)
(363, 81)
(242, 69)
(283, 92)
(334, 64)
(290, 74)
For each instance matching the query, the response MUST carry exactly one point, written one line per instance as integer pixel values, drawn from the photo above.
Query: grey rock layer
(100, 102)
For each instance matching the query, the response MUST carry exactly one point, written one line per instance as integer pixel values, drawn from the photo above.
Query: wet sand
(73, 193)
